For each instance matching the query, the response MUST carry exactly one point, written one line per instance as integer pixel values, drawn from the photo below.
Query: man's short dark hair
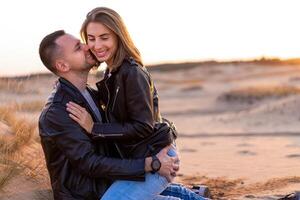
(49, 49)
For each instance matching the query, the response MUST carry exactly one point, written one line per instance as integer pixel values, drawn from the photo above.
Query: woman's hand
(81, 116)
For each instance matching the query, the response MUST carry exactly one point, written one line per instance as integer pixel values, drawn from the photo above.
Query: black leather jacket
(79, 167)
(130, 102)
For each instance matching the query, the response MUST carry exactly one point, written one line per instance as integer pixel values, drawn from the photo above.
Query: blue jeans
(181, 192)
(149, 189)
(155, 187)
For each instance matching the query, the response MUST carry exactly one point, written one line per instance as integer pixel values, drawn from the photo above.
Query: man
(78, 167)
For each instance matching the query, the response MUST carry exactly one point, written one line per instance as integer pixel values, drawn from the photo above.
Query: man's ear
(61, 66)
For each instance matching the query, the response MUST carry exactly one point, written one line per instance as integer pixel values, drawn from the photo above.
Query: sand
(241, 147)
(252, 142)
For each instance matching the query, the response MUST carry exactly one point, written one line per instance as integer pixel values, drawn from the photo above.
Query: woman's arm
(138, 121)
(139, 109)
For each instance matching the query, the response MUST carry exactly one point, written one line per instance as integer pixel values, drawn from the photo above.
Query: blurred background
(164, 31)
(227, 73)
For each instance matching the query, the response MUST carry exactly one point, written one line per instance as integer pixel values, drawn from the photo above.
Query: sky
(163, 30)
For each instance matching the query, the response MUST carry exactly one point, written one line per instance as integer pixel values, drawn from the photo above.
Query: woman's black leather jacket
(130, 102)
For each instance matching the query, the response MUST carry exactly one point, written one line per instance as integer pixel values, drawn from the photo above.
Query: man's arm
(77, 147)
(169, 165)
(71, 139)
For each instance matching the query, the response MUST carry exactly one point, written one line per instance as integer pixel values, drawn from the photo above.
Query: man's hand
(169, 165)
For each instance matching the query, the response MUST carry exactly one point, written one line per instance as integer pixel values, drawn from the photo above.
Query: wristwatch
(155, 164)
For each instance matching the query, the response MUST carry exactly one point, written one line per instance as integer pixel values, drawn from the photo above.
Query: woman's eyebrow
(104, 34)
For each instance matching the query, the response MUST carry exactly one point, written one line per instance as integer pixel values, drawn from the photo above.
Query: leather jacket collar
(68, 87)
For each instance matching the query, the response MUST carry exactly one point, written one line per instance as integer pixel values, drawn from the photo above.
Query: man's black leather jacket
(79, 168)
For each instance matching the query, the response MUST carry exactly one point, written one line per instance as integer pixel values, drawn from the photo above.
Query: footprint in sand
(244, 145)
(188, 150)
(207, 143)
(293, 156)
(246, 152)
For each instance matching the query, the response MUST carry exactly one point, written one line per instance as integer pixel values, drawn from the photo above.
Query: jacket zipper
(108, 98)
(106, 112)
(114, 102)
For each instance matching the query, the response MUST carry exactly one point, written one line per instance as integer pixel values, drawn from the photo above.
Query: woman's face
(102, 42)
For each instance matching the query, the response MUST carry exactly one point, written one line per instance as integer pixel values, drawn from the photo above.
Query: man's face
(75, 54)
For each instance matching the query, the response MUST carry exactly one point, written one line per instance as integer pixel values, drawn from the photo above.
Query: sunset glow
(164, 31)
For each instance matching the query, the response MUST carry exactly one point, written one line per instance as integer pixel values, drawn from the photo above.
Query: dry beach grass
(238, 128)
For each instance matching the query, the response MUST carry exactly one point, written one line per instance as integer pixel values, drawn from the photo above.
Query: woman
(128, 98)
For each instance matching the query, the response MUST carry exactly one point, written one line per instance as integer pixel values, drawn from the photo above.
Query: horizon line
(191, 63)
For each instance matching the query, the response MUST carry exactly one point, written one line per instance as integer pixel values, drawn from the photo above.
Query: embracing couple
(96, 142)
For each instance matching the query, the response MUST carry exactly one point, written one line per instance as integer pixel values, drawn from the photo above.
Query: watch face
(156, 165)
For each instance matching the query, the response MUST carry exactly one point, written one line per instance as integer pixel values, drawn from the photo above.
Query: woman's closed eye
(104, 38)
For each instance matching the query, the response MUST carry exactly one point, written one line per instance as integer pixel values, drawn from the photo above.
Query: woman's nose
(97, 45)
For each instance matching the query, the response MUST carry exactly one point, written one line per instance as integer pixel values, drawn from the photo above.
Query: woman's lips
(101, 54)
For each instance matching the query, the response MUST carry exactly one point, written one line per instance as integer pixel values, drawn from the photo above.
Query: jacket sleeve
(139, 108)
(71, 139)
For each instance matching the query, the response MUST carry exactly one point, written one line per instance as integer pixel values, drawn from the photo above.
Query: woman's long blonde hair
(112, 20)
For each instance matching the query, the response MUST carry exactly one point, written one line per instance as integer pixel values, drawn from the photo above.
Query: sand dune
(246, 147)
(278, 115)
(253, 139)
